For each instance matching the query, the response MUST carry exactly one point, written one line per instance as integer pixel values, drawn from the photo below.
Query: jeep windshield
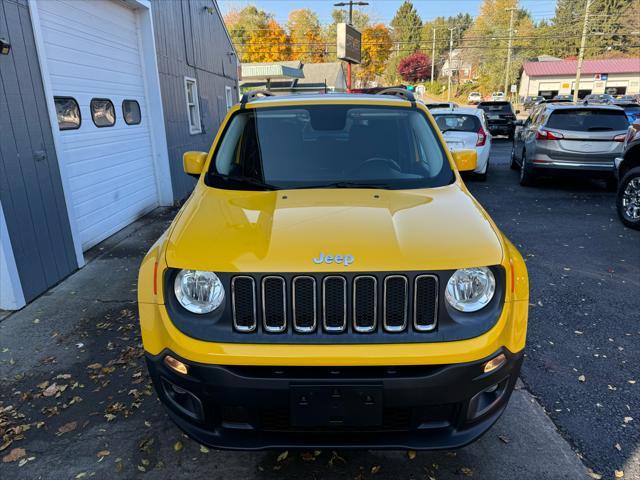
(329, 146)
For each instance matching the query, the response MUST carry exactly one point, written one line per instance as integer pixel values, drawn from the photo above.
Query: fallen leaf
(14, 454)
(308, 457)
(204, 449)
(619, 473)
(67, 427)
(618, 447)
(94, 366)
(594, 475)
(503, 439)
(283, 456)
(582, 378)
(628, 419)
(375, 469)
(411, 454)
(103, 453)
(177, 446)
(467, 472)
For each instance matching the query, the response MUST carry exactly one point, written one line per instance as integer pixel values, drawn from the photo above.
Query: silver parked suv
(560, 138)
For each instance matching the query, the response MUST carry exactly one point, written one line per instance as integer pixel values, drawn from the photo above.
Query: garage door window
(68, 113)
(193, 106)
(131, 112)
(102, 112)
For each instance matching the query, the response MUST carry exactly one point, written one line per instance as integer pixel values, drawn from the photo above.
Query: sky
(384, 10)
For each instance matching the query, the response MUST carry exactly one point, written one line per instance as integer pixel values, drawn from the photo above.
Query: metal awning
(272, 71)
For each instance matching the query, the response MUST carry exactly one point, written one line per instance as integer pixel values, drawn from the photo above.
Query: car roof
(572, 106)
(329, 98)
(459, 110)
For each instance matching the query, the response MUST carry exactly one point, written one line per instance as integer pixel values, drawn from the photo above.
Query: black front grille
(334, 297)
(243, 299)
(329, 303)
(274, 304)
(304, 304)
(395, 303)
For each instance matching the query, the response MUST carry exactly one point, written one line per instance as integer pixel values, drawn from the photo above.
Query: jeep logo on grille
(346, 260)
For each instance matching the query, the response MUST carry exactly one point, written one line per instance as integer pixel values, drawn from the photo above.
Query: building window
(102, 112)
(131, 112)
(68, 113)
(228, 91)
(193, 105)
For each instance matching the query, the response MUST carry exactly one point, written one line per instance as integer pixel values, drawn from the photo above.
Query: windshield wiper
(345, 185)
(241, 181)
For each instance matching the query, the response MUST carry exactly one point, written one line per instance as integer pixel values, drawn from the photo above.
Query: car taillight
(543, 134)
(620, 138)
(482, 138)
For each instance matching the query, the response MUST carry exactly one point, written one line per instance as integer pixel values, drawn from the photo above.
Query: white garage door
(92, 54)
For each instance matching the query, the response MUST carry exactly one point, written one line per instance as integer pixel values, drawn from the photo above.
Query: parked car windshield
(496, 107)
(319, 146)
(449, 122)
(588, 120)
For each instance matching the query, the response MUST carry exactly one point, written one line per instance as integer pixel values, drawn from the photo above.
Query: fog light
(495, 363)
(176, 365)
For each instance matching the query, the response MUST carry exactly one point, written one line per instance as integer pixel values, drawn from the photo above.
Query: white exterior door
(92, 54)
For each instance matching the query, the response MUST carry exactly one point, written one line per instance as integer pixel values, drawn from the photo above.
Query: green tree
(460, 22)
(376, 48)
(406, 26)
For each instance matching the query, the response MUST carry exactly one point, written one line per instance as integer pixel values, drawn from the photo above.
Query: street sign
(601, 76)
(349, 43)
(514, 88)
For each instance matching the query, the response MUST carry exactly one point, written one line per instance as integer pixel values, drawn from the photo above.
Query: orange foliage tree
(270, 44)
(376, 48)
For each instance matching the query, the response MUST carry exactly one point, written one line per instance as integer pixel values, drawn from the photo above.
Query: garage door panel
(92, 201)
(123, 183)
(92, 20)
(92, 51)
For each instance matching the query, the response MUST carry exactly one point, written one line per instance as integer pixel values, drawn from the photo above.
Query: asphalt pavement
(75, 399)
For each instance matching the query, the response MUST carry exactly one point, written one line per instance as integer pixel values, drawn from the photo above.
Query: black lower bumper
(501, 129)
(405, 407)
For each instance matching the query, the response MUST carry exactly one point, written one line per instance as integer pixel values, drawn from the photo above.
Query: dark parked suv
(628, 172)
(500, 117)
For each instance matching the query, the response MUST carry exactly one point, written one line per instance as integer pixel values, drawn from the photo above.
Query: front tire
(514, 163)
(628, 199)
(527, 177)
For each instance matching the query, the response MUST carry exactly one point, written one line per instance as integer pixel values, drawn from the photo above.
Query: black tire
(611, 184)
(631, 179)
(514, 163)
(527, 177)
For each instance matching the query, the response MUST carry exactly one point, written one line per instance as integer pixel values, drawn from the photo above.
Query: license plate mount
(336, 405)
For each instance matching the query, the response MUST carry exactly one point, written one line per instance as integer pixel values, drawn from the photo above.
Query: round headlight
(470, 289)
(198, 291)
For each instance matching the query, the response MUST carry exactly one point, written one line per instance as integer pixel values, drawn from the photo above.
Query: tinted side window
(102, 112)
(586, 120)
(131, 112)
(68, 113)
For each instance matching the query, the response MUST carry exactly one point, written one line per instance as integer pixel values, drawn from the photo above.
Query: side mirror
(193, 163)
(466, 160)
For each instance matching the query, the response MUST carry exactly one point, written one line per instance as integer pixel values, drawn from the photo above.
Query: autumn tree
(415, 68)
(268, 45)
(376, 48)
(441, 25)
(305, 35)
(241, 23)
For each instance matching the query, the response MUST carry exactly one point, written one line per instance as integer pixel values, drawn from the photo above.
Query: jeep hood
(283, 231)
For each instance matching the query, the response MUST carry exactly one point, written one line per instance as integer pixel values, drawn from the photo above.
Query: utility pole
(433, 54)
(585, 26)
(350, 4)
(451, 29)
(506, 75)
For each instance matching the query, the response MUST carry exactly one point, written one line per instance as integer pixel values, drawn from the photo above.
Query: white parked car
(498, 96)
(474, 98)
(466, 128)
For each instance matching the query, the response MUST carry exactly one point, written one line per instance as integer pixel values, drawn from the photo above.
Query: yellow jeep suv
(332, 283)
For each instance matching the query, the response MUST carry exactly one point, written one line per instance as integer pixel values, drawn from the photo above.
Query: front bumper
(406, 407)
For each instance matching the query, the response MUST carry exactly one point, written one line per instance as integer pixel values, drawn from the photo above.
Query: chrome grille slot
(395, 303)
(365, 303)
(243, 304)
(334, 303)
(304, 304)
(274, 304)
(425, 303)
